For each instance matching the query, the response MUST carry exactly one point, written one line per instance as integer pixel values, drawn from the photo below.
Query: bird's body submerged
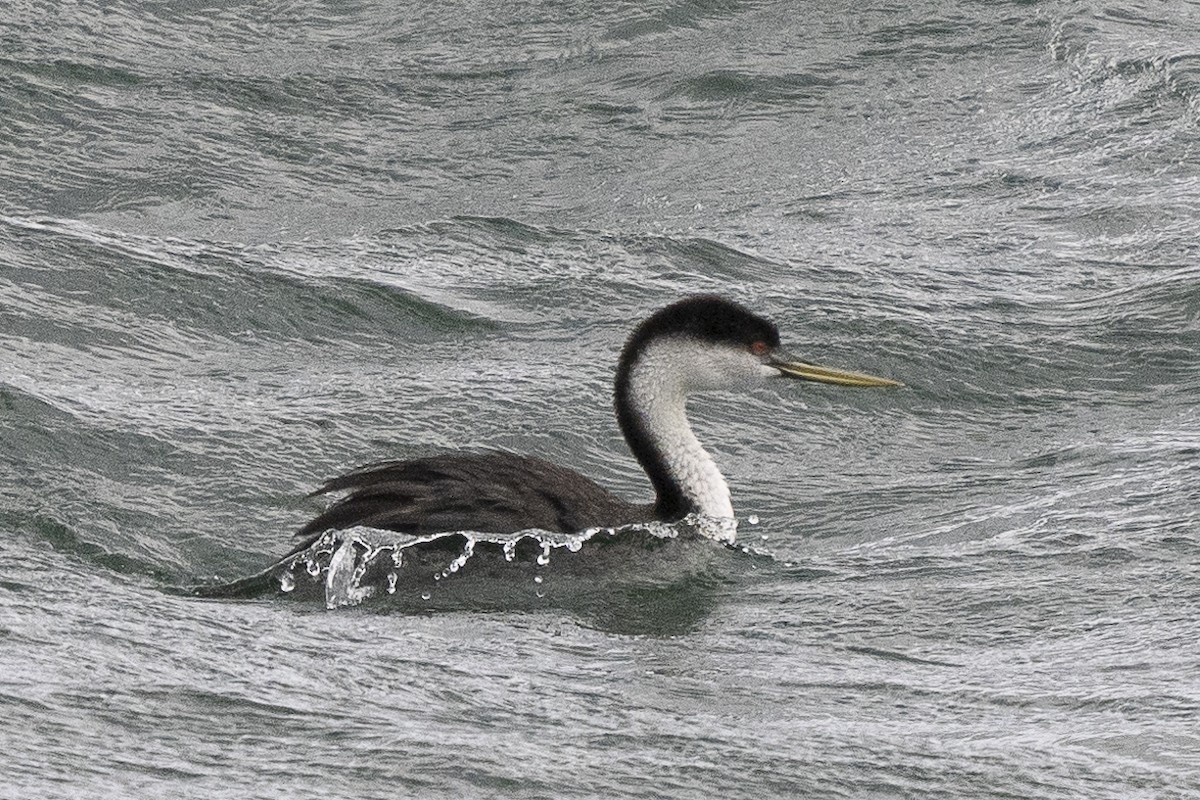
(698, 344)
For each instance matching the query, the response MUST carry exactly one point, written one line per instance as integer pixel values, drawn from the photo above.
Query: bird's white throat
(665, 372)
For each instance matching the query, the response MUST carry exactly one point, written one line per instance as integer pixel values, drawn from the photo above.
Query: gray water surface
(243, 249)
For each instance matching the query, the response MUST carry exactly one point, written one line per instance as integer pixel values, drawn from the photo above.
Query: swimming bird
(696, 344)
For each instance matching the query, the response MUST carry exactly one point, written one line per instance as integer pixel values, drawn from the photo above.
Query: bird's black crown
(708, 318)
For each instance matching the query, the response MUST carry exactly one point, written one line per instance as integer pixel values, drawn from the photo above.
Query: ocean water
(244, 248)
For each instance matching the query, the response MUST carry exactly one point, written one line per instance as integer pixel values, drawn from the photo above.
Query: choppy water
(243, 249)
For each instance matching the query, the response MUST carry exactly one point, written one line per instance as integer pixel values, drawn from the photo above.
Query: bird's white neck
(659, 383)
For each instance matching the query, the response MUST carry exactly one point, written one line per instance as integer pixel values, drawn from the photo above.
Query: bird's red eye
(759, 348)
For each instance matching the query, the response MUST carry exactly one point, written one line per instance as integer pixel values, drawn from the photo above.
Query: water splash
(353, 565)
(461, 560)
(343, 577)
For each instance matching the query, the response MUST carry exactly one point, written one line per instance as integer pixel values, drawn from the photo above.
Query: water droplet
(313, 567)
(287, 581)
(392, 578)
(544, 558)
(398, 557)
(752, 519)
(537, 578)
(510, 549)
(575, 545)
(426, 595)
(763, 537)
(540, 592)
(461, 559)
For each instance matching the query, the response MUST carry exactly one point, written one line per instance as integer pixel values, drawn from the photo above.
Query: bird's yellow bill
(838, 377)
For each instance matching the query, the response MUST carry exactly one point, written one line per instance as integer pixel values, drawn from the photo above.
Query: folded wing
(493, 492)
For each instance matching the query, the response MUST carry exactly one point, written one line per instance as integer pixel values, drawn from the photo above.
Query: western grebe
(694, 345)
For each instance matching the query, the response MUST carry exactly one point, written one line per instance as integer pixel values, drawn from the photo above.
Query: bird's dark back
(492, 492)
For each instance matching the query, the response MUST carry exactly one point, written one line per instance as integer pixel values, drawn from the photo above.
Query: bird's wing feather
(492, 492)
